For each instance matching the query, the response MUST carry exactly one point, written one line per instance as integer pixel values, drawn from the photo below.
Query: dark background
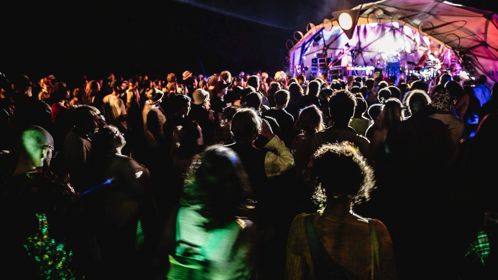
(72, 38)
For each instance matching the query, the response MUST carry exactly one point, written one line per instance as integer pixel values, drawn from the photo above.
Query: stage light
(345, 21)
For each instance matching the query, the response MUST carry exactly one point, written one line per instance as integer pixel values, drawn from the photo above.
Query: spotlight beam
(232, 14)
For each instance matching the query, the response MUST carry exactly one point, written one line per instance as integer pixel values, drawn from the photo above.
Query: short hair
(179, 102)
(85, 117)
(253, 81)
(252, 100)
(392, 111)
(417, 101)
(454, 89)
(418, 84)
(107, 139)
(310, 119)
(355, 89)
(342, 170)
(361, 106)
(482, 79)
(395, 92)
(382, 84)
(245, 125)
(383, 94)
(313, 88)
(282, 97)
(341, 106)
(374, 110)
(369, 83)
(295, 88)
(443, 79)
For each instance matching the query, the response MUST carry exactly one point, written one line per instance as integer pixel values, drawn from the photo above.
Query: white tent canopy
(470, 34)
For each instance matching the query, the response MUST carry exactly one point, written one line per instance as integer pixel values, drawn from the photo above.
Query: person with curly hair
(337, 242)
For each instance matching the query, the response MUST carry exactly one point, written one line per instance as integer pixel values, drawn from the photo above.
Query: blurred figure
(212, 240)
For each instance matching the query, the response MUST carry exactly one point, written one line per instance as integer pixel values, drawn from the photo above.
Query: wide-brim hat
(199, 96)
(186, 74)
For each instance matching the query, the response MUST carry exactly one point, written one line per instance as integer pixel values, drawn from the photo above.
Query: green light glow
(480, 247)
(139, 235)
(51, 257)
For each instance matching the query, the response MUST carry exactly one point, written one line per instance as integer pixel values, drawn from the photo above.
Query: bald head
(36, 145)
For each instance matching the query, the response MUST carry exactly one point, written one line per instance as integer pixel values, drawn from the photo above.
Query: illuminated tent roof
(470, 33)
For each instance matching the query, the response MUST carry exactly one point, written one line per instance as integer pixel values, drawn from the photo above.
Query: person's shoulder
(299, 219)
(378, 225)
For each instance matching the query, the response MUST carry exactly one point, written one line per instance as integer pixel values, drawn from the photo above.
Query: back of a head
(369, 83)
(374, 110)
(253, 81)
(61, 92)
(355, 89)
(383, 94)
(246, 91)
(226, 77)
(310, 119)
(280, 76)
(21, 83)
(417, 101)
(361, 107)
(34, 143)
(252, 100)
(341, 107)
(295, 89)
(282, 98)
(343, 171)
(382, 84)
(86, 118)
(482, 79)
(245, 125)
(313, 88)
(392, 112)
(444, 79)
(274, 87)
(326, 93)
(180, 104)
(395, 92)
(421, 85)
(106, 140)
(221, 184)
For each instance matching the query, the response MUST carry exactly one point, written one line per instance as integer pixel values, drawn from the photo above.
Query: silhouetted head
(221, 185)
(245, 125)
(343, 172)
(341, 106)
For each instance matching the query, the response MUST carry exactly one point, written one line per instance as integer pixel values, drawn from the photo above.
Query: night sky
(83, 37)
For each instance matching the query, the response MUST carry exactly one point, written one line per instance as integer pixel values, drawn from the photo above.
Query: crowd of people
(248, 177)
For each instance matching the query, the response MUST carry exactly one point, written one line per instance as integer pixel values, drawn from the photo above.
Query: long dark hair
(220, 185)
